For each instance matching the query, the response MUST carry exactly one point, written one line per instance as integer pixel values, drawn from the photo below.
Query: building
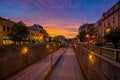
(84, 27)
(111, 18)
(91, 32)
(5, 28)
(89, 29)
(98, 28)
(37, 34)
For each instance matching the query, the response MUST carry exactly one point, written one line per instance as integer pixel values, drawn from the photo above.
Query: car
(98, 44)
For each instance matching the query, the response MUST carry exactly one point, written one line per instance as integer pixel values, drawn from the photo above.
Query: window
(104, 24)
(8, 29)
(32, 34)
(108, 23)
(4, 28)
(113, 19)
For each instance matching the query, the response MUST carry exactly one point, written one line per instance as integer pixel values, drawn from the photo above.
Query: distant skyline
(58, 17)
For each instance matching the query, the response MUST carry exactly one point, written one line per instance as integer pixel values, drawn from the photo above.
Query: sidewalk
(38, 69)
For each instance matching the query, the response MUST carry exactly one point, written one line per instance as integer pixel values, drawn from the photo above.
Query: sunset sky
(61, 17)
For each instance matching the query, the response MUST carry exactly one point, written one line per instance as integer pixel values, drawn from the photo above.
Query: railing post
(99, 50)
(115, 54)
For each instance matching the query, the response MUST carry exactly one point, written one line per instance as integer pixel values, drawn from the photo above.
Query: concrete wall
(96, 68)
(13, 60)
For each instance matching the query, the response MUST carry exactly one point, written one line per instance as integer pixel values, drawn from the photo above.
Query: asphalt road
(67, 68)
(36, 71)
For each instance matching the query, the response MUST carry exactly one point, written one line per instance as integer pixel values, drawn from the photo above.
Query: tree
(113, 36)
(82, 36)
(19, 32)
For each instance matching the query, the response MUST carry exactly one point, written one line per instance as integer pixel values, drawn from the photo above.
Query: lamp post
(51, 58)
(87, 36)
(24, 52)
(50, 53)
(108, 30)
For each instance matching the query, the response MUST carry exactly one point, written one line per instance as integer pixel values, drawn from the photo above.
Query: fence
(108, 52)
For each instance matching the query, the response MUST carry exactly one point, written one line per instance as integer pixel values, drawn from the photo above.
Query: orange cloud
(55, 32)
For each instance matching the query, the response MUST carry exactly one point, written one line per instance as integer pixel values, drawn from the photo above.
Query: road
(67, 68)
(36, 71)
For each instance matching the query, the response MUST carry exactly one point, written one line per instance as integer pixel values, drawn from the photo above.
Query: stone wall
(96, 68)
(13, 60)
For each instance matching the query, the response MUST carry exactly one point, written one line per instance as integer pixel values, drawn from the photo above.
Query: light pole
(51, 58)
(24, 52)
(87, 36)
(50, 53)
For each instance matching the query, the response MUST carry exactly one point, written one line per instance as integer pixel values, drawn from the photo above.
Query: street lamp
(24, 50)
(87, 36)
(54, 44)
(108, 30)
(51, 58)
(47, 46)
(50, 53)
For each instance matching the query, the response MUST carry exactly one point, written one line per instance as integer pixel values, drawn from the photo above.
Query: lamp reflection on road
(91, 58)
(54, 44)
(47, 46)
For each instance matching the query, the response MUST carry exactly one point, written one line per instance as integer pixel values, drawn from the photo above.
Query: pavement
(38, 69)
(67, 68)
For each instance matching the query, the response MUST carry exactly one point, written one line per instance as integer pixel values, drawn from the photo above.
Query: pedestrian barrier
(108, 52)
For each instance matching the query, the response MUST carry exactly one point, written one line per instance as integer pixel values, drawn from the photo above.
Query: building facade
(37, 33)
(111, 18)
(83, 27)
(98, 28)
(35, 36)
(5, 28)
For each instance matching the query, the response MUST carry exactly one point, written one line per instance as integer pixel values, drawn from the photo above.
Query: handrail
(108, 52)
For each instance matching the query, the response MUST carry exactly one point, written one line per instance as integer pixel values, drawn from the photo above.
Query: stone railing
(16, 57)
(108, 52)
(97, 67)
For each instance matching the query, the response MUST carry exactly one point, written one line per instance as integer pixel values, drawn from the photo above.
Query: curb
(84, 76)
(47, 73)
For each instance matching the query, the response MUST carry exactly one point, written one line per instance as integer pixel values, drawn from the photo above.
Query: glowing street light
(54, 44)
(24, 50)
(47, 46)
(91, 58)
(108, 30)
(87, 36)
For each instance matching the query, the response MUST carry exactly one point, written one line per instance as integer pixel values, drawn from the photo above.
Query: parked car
(98, 44)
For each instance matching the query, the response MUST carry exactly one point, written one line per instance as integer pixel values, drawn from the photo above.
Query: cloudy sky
(61, 17)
